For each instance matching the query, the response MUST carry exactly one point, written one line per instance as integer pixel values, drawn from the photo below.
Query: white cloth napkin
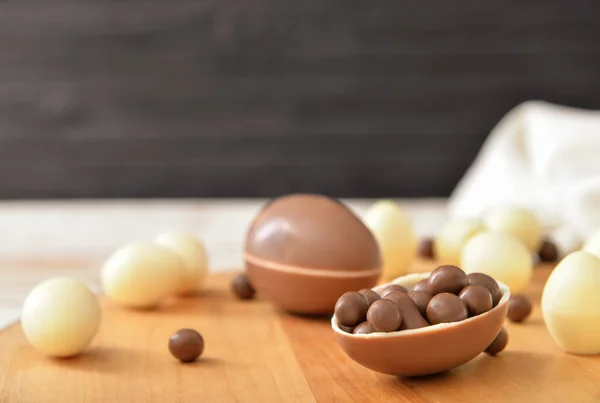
(545, 157)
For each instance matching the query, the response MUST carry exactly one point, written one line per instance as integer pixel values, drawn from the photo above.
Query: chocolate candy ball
(452, 237)
(520, 223)
(395, 236)
(186, 345)
(241, 287)
(501, 256)
(141, 275)
(351, 308)
(193, 257)
(446, 278)
(383, 316)
(499, 343)
(60, 317)
(363, 328)
(411, 317)
(519, 307)
(347, 329)
(421, 286)
(570, 303)
(392, 288)
(421, 300)
(370, 295)
(425, 249)
(446, 308)
(477, 298)
(487, 282)
(548, 251)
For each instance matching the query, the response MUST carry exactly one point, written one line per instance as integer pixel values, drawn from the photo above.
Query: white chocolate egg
(141, 275)
(592, 245)
(60, 317)
(192, 254)
(519, 222)
(451, 238)
(500, 256)
(571, 303)
(393, 230)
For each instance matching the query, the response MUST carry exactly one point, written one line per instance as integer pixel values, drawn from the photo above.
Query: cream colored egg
(141, 275)
(451, 238)
(500, 256)
(571, 303)
(592, 245)
(393, 230)
(60, 317)
(519, 222)
(193, 255)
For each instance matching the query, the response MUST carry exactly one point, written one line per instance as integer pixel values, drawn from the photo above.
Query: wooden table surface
(256, 353)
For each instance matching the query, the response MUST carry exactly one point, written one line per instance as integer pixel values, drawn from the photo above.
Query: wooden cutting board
(255, 353)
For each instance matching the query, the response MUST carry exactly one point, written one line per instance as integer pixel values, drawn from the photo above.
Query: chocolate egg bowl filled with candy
(422, 346)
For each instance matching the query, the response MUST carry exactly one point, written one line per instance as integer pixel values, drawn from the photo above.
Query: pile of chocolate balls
(447, 295)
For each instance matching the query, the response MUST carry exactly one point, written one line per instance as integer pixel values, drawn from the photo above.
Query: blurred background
(256, 98)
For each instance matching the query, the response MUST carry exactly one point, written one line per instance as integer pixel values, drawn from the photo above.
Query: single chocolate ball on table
(351, 309)
(426, 249)
(384, 316)
(519, 307)
(242, 287)
(447, 278)
(487, 282)
(370, 295)
(548, 252)
(499, 343)
(477, 298)
(446, 308)
(186, 345)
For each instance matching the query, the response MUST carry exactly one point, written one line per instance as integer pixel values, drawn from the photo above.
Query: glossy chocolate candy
(303, 251)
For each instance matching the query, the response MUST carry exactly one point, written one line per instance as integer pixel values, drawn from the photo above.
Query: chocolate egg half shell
(303, 251)
(426, 350)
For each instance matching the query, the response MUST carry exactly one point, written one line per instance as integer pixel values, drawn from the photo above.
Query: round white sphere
(519, 222)
(500, 256)
(60, 317)
(192, 254)
(571, 303)
(393, 230)
(141, 275)
(450, 240)
(592, 245)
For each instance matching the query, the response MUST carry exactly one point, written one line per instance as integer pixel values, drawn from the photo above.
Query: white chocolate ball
(571, 303)
(60, 317)
(519, 222)
(451, 239)
(141, 275)
(592, 245)
(394, 233)
(192, 254)
(500, 256)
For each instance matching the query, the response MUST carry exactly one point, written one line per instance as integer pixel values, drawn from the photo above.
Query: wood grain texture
(255, 353)
(261, 97)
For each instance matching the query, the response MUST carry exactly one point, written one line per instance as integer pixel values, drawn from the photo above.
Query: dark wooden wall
(183, 98)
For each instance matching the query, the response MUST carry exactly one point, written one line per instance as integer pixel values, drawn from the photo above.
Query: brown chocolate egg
(424, 350)
(303, 251)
